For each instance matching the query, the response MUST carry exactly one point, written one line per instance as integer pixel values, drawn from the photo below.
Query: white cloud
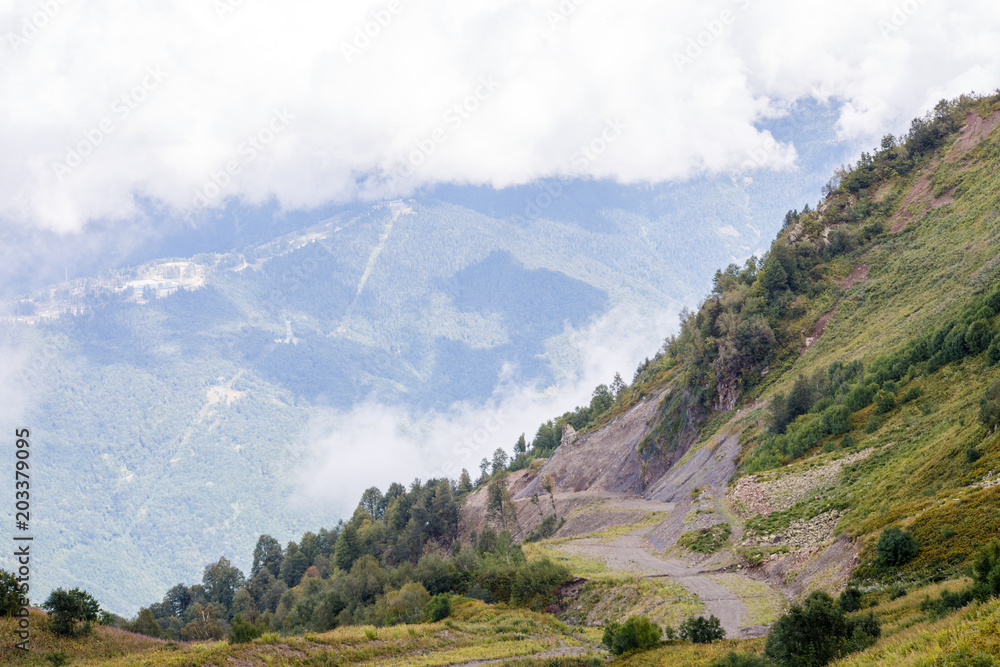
(376, 444)
(65, 69)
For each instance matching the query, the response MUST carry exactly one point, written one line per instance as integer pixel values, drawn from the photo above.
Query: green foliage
(10, 594)
(895, 547)
(740, 660)
(57, 658)
(439, 608)
(885, 402)
(850, 599)
(989, 406)
(67, 609)
(986, 572)
(547, 528)
(242, 632)
(993, 353)
(816, 632)
(635, 634)
(701, 630)
(978, 337)
(706, 540)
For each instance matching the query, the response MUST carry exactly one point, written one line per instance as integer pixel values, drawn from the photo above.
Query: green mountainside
(815, 455)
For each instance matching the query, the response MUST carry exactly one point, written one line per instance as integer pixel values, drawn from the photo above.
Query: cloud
(376, 444)
(110, 106)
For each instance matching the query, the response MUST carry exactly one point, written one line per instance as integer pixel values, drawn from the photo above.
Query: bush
(706, 540)
(10, 594)
(817, 631)
(989, 405)
(439, 608)
(850, 599)
(946, 603)
(912, 394)
(972, 454)
(993, 353)
(700, 630)
(986, 572)
(67, 608)
(895, 547)
(978, 337)
(740, 660)
(242, 632)
(897, 592)
(837, 419)
(873, 424)
(637, 633)
(57, 658)
(547, 528)
(847, 442)
(885, 402)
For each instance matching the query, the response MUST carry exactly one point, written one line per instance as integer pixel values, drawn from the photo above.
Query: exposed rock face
(727, 392)
(603, 460)
(568, 435)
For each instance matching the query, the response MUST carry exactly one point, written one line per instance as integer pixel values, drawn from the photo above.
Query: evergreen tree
(464, 482)
(294, 567)
(267, 554)
(221, 580)
(348, 549)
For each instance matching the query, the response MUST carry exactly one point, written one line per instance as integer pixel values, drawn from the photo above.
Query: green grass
(706, 540)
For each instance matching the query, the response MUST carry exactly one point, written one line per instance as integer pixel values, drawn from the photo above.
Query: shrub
(850, 599)
(637, 633)
(946, 603)
(972, 454)
(740, 660)
(897, 592)
(912, 394)
(700, 630)
(847, 442)
(986, 572)
(547, 528)
(57, 658)
(242, 632)
(837, 419)
(873, 424)
(67, 608)
(439, 608)
(993, 353)
(989, 405)
(10, 594)
(817, 631)
(706, 540)
(978, 337)
(895, 547)
(885, 402)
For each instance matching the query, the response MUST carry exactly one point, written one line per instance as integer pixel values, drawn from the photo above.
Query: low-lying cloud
(376, 444)
(110, 107)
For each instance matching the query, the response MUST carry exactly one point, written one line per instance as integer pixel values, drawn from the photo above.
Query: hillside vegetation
(814, 457)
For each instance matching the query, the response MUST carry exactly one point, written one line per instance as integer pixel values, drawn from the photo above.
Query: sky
(112, 107)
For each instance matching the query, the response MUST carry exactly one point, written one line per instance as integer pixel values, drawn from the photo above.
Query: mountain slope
(864, 365)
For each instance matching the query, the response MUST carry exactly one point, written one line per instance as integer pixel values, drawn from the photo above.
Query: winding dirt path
(631, 553)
